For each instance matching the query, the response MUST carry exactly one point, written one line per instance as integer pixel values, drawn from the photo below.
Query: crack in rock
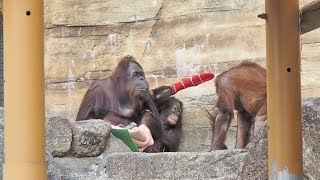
(153, 29)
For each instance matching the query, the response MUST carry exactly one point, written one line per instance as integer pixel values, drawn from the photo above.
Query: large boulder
(90, 137)
(54, 170)
(58, 136)
(181, 165)
(256, 165)
(74, 168)
(1, 140)
(311, 137)
(88, 167)
(1, 134)
(115, 145)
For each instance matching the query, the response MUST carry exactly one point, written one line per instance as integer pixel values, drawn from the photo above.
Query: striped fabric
(194, 80)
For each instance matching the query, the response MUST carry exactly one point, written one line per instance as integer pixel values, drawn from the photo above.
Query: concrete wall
(170, 38)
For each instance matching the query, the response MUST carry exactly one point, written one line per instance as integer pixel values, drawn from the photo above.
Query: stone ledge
(227, 164)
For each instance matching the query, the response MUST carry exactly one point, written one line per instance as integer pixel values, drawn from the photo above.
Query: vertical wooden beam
(24, 90)
(284, 90)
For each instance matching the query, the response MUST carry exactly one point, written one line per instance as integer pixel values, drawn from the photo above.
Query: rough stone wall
(170, 38)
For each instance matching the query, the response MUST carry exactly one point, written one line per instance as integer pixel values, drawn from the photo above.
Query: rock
(54, 170)
(115, 145)
(180, 165)
(256, 163)
(1, 140)
(77, 13)
(90, 167)
(194, 140)
(90, 137)
(58, 136)
(79, 168)
(311, 137)
(1, 134)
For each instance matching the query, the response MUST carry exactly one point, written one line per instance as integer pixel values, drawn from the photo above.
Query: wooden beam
(24, 132)
(284, 90)
(310, 19)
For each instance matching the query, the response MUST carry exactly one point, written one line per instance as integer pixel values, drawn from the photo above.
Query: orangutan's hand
(141, 136)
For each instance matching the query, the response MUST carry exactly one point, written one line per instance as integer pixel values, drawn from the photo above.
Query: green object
(124, 135)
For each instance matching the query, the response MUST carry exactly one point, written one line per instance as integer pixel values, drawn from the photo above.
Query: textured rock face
(256, 165)
(54, 170)
(1, 134)
(1, 140)
(86, 168)
(58, 136)
(221, 164)
(171, 39)
(311, 137)
(90, 137)
(115, 145)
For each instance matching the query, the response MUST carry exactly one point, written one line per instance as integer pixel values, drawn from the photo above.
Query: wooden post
(24, 90)
(284, 90)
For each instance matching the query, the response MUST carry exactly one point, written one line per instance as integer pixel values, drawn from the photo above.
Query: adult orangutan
(241, 88)
(122, 98)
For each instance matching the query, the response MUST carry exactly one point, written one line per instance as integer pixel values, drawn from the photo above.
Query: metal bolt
(263, 16)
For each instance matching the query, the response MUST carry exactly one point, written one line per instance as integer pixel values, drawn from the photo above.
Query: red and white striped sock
(194, 80)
